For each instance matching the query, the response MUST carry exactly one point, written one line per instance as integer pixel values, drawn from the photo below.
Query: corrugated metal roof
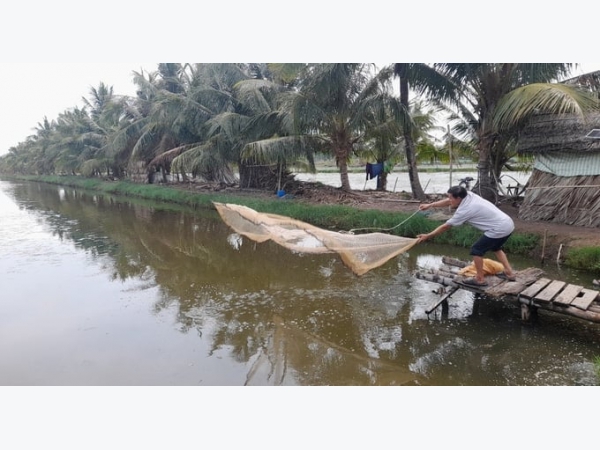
(568, 164)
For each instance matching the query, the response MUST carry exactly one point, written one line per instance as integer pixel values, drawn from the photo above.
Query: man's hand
(424, 206)
(422, 237)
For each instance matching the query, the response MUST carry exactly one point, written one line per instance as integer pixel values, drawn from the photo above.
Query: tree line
(248, 123)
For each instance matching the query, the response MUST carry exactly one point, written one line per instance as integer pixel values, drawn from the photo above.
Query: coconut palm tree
(333, 110)
(420, 78)
(402, 71)
(383, 145)
(75, 142)
(190, 119)
(235, 100)
(105, 115)
(494, 99)
(165, 120)
(386, 143)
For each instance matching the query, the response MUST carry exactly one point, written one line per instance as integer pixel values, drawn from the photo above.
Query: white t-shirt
(483, 215)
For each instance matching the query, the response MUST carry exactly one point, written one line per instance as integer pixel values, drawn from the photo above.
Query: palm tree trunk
(382, 181)
(485, 186)
(413, 173)
(342, 152)
(343, 165)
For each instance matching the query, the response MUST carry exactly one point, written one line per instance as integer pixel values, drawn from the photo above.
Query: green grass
(584, 258)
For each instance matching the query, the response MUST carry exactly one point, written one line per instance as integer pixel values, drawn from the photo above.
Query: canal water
(101, 290)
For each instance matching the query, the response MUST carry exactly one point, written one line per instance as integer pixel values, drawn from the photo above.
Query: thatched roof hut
(565, 183)
(589, 81)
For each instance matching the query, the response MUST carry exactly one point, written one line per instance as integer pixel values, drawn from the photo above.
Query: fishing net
(360, 252)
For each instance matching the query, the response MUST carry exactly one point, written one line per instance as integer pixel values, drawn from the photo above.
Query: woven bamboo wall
(568, 200)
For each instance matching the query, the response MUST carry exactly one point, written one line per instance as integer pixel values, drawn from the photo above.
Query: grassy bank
(332, 217)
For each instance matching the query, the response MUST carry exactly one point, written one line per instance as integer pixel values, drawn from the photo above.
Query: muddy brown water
(100, 290)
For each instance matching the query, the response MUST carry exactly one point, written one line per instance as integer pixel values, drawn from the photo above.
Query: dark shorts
(487, 244)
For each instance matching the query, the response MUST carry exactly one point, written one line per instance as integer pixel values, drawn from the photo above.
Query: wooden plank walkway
(531, 289)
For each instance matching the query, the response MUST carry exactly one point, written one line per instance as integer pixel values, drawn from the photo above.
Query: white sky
(122, 31)
(31, 91)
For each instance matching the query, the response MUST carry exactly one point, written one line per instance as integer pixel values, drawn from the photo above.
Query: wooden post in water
(544, 245)
(525, 312)
(558, 256)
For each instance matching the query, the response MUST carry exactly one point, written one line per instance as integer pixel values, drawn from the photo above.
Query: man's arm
(438, 230)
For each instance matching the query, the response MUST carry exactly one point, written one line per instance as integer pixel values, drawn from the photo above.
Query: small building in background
(564, 186)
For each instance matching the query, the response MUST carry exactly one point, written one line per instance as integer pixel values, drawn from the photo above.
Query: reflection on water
(113, 291)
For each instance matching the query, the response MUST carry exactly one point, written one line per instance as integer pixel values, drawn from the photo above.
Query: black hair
(457, 191)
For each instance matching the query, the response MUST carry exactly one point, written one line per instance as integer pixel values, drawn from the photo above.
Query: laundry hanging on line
(374, 170)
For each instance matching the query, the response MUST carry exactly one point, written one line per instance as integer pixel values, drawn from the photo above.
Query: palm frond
(521, 103)
(265, 125)
(255, 95)
(286, 73)
(231, 125)
(122, 140)
(300, 114)
(277, 149)
(166, 158)
(543, 72)
(204, 161)
(144, 145)
(435, 80)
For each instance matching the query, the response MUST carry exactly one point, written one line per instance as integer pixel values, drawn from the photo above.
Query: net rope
(384, 229)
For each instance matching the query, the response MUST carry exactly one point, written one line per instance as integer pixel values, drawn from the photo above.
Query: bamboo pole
(442, 300)
(436, 278)
(454, 262)
(565, 186)
(567, 310)
(544, 245)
